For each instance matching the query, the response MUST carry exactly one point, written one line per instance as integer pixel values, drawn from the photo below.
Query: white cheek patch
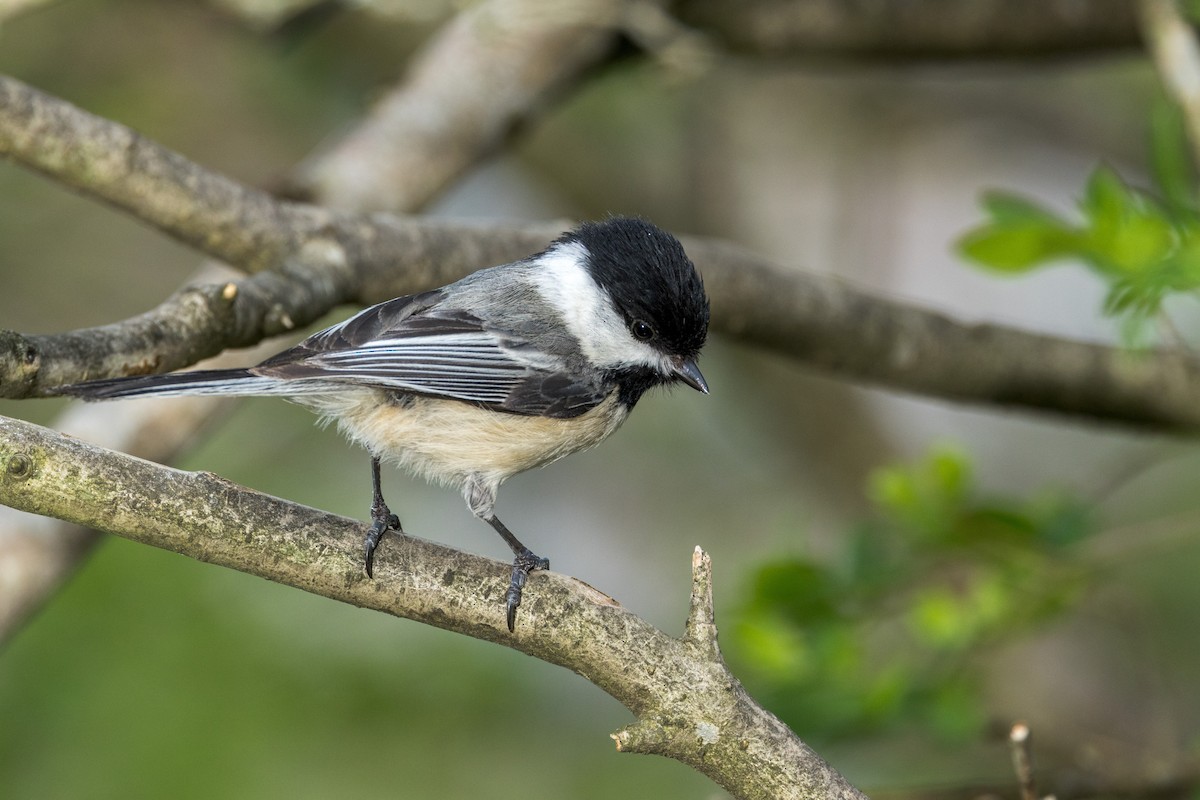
(588, 312)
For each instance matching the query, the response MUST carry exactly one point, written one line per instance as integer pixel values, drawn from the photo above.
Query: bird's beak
(689, 373)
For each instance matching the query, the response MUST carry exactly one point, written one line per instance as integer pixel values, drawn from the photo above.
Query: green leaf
(938, 617)
(923, 501)
(1020, 235)
(1106, 199)
(776, 648)
(1130, 237)
(1007, 208)
(897, 632)
(1016, 246)
(894, 490)
(1139, 299)
(800, 590)
(1138, 242)
(1186, 260)
(950, 473)
(1145, 247)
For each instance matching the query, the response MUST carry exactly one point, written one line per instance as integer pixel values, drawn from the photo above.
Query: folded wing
(411, 345)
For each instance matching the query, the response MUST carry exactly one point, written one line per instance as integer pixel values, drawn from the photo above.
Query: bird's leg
(382, 519)
(526, 561)
(480, 494)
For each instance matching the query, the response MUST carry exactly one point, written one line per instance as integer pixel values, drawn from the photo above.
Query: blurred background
(842, 519)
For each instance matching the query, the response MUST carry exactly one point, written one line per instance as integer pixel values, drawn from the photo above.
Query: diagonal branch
(195, 323)
(819, 321)
(688, 705)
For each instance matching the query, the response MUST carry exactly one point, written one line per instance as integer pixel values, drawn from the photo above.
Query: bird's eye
(642, 330)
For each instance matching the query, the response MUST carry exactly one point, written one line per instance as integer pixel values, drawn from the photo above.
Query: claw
(383, 520)
(523, 564)
(514, 601)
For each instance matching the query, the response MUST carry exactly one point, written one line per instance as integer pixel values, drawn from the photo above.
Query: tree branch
(688, 704)
(819, 321)
(824, 322)
(195, 323)
(915, 28)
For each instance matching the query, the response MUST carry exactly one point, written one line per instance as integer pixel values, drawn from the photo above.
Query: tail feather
(204, 382)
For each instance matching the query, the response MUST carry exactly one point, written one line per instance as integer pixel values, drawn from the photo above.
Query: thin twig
(701, 628)
(1021, 746)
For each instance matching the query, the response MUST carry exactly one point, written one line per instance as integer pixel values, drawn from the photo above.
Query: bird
(512, 367)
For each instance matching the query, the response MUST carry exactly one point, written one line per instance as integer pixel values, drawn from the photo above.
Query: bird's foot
(525, 563)
(382, 521)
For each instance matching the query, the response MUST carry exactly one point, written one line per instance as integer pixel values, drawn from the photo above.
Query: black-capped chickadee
(510, 368)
